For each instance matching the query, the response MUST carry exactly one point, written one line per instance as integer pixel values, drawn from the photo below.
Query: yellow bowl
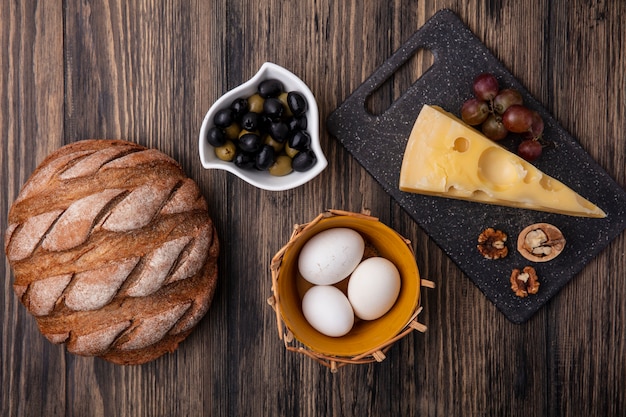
(365, 336)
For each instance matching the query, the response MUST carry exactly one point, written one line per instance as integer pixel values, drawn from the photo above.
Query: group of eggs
(328, 258)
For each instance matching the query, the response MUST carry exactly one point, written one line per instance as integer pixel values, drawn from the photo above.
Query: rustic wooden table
(148, 71)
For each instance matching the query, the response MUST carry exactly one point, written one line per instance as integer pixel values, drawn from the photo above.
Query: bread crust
(113, 250)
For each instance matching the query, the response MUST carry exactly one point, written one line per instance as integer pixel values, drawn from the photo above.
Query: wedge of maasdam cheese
(447, 158)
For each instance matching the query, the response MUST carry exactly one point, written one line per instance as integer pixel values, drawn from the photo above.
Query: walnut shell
(113, 250)
(540, 242)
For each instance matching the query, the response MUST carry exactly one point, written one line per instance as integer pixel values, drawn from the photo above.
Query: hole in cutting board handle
(399, 81)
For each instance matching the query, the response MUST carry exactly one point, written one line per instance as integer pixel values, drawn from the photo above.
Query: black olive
(300, 140)
(273, 108)
(270, 88)
(295, 123)
(250, 142)
(244, 160)
(279, 131)
(223, 118)
(303, 161)
(297, 103)
(250, 121)
(265, 158)
(216, 137)
(264, 124)
(239, 107)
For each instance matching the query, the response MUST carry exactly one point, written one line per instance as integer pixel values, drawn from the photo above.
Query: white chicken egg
(328, 310)
(373, 288)
(331, 255)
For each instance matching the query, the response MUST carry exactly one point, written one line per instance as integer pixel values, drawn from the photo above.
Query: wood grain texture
(148, 71)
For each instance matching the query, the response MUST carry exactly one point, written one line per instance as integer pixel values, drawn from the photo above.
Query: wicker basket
(368, 341)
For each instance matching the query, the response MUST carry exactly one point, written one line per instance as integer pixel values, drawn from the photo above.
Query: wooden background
(147, 71)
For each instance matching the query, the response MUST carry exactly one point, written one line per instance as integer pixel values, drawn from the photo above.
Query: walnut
(540, 242)
(491, 243)
(524, 282)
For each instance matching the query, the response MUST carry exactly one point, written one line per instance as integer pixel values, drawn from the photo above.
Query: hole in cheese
(480, 195)
(497, 168)
(532, 174)
(461, 144)
(454, 192)
(549, 184)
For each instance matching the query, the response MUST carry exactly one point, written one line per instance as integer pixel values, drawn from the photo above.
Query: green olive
(227, 151)
(278, 146)
(232, 131)
(283, 99)
(290, 151)
(243, 132)
(282, 166)
(255, 103)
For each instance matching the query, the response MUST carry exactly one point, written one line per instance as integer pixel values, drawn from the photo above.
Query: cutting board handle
(428, 37)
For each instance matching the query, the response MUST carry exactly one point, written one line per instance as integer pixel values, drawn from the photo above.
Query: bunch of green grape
(499, 112)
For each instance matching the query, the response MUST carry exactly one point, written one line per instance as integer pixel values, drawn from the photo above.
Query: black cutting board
(378, 142)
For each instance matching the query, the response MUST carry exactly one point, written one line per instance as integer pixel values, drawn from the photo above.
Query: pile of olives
(266, 131)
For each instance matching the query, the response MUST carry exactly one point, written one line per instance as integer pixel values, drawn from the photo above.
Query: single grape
(529, 149)
(493, 128)
(517, 119)
(536, 128)
(485, 87)
(474, 111)
(505, 99)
